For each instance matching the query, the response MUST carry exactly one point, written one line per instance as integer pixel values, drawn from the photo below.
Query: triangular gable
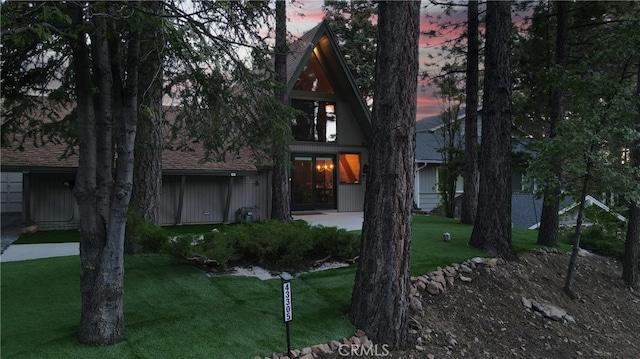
(321, 41)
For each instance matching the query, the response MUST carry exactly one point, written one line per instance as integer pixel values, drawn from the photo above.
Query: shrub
(145, 234)
(267, 243)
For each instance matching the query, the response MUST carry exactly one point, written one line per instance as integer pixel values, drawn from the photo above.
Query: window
(316, 123)
(349, 168)
(313, 78)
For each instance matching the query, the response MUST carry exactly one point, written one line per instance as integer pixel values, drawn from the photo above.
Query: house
(328, 156)
(429, 161)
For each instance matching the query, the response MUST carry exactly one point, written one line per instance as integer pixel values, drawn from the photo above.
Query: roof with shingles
(49, 156)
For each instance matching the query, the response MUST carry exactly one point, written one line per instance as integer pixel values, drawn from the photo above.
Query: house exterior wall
(205, 198)
(350, 197)
(11, 192)
(428, 184)
(51, 201)
(53, 206)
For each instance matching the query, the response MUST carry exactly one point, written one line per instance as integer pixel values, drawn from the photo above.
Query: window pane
(316, 123)
(349, 168)
(313, 77)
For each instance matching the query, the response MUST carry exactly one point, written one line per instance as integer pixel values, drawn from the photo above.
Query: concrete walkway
(20, 252)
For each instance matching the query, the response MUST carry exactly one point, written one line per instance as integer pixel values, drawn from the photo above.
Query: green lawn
(173, 310)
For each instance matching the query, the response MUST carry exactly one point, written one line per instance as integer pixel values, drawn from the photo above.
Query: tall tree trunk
(103, 202)
(149, 142)
(281, 191)
(147, 183)
(632, 242)
(101, 317)
(380, 301)
(470, 194)
(548, 232)
(492, 229)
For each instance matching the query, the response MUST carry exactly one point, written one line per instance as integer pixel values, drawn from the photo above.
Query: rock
(419, 348)
(450, 281)
(433, 288)
(306, 350)
(491, 262)
(413, 290)
(569, 319)
(415, 304)
(465, 279)
(30, 229)
(584, 253)
(449, 271)
(307, 356)
(477, 260)
(464, 268)
(356, 341)
(526, 302)
(440, 279)
(421, 286)
(321, 349)
(334, 345)
(360, 333)
(414, 279)
(423, 279)
(548, 309)
(431, 356)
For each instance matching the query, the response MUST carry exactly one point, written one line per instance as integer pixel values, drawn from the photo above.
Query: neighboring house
(429, 160)
(329, 155)
(568, 213)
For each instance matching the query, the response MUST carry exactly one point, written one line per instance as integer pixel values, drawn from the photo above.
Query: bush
(145, 234)
(596, 239)
(268, 243)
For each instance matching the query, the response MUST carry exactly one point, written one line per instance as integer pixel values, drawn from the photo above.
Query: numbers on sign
(286, 293)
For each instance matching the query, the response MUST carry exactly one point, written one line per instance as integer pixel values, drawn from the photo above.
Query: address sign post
(287, 308)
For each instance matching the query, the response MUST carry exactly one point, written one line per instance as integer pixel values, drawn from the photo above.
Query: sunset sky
(305, 14)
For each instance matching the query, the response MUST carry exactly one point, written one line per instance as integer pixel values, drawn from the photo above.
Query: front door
(313, 179)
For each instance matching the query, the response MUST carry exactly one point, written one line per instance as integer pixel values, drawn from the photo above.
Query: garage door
(11, 191)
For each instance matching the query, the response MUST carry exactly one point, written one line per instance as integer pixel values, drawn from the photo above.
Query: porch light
(329, 108)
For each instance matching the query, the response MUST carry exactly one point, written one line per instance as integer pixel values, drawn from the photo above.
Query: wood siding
(52, 202)
(54, 207)
(205, 198)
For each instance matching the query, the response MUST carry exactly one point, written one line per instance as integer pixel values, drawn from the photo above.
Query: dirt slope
(486, 318)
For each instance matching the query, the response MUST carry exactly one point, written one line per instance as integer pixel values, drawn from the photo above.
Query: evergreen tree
(380, 301)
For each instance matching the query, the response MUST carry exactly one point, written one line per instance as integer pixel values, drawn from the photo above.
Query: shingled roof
(48, 158)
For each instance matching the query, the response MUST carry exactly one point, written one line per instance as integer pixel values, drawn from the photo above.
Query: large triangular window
(313, 77)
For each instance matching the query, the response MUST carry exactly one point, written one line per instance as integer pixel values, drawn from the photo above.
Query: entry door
(313, 180)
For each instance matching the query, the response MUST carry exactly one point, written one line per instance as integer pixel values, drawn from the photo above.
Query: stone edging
(432, 283)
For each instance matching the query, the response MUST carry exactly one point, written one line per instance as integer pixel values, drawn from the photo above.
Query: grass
(174, 310)
(56, 236)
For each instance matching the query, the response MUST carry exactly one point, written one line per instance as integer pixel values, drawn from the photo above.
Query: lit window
(316, 122)
(349, 168)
